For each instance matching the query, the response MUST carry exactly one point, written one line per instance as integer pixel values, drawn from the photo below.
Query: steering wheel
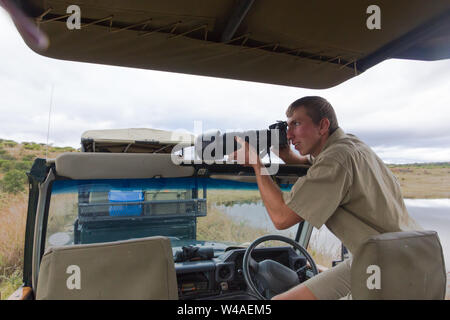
(273, 277)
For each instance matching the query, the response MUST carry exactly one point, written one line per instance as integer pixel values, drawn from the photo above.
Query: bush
(9, 284)
(23, 165)
(6, 165)
(29, 157)
(10, 143)
(6, 156)
(62, 149)
(31, 146)
(14, 181)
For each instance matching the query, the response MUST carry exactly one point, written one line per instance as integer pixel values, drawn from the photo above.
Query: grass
(10, 283)
(423, 182)
(232, 197)
(12, 221)
(323, 254)
(217, 226)
(432, 165)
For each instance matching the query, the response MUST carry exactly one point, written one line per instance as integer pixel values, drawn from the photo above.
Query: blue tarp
(125, 196)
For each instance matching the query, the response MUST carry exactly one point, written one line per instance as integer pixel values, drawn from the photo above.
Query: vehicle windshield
(190, 211)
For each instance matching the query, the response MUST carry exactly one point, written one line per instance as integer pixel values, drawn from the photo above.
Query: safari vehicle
(316, 44)
(81, 204)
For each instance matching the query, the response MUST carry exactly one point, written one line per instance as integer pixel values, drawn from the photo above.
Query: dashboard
(222, 277)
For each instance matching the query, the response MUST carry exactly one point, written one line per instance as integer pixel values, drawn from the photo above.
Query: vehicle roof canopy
(313, 44)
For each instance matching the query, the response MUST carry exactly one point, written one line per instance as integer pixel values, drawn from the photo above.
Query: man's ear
(324, 126)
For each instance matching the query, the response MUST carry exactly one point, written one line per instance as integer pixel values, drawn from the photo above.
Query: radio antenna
(49, 115)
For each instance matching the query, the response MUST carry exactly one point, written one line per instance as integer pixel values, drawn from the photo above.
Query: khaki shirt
(350, 190)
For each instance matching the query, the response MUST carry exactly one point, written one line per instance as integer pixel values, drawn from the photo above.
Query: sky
(400, 108)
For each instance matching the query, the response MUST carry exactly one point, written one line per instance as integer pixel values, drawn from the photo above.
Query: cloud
(399, 107)
(402, 154)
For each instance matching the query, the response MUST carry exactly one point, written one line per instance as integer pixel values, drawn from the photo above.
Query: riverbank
(426, 181)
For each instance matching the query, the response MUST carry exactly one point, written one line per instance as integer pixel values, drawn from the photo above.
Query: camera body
(281, 127)
(215, 145)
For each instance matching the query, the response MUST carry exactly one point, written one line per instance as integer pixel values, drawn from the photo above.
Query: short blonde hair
(317, 108)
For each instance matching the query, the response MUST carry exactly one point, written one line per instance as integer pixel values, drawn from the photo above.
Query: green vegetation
(31, 146)
(9, 165)
(10, 283)
(29, 157)
(6, 165)
(14, 181)
(23, 165)
(9, 143)
(62, 149)
(4, 155)
(13, 209)
(15, 160)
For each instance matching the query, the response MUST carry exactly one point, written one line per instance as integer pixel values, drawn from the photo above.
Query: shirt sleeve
(316, 196)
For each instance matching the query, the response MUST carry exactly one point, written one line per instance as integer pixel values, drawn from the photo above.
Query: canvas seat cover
(409, 265)
(131, 269)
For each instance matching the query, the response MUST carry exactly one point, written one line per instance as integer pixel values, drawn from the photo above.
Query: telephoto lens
(215, 145)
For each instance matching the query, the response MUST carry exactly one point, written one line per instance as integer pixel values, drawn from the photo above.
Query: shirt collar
(335, 136)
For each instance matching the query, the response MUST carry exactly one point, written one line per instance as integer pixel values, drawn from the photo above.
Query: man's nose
(290, 135)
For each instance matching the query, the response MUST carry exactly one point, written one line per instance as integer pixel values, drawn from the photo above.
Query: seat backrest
(399, 265)
(132, 269)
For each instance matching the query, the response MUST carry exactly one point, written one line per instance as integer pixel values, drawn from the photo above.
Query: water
(431, 214)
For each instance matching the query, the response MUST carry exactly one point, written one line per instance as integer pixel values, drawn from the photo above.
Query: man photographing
(348, 188)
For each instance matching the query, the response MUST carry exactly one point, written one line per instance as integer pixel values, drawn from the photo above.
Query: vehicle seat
(399, 265)
(132, 269)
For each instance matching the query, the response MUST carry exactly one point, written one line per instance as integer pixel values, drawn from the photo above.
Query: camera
(281, 127)
(215, 145)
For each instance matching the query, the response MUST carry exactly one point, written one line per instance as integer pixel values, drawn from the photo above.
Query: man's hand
(246, 155)
(283, 153)
(280, 214)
